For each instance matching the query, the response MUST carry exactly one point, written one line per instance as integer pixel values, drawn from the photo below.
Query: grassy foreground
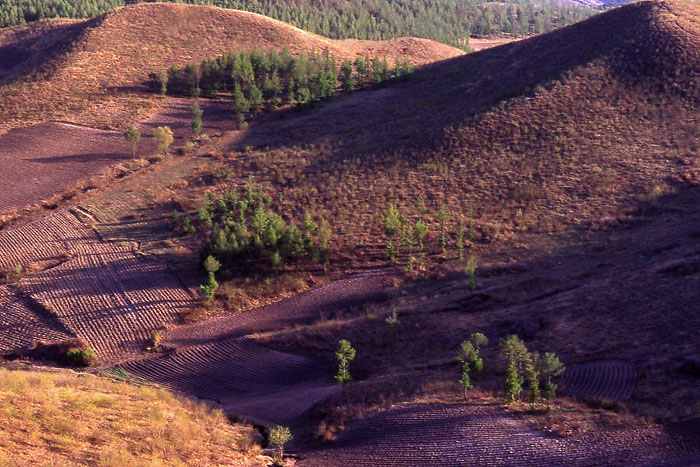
(61, 418)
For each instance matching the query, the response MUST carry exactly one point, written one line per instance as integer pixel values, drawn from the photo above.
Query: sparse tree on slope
(164, 137)
(197, 113)
(279, 436)
(345, 354)
(550, 367)
(133, 136)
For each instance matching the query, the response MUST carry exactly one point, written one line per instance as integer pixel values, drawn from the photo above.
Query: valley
(546, 188)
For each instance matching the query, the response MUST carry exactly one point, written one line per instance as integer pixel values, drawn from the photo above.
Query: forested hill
(446, 21)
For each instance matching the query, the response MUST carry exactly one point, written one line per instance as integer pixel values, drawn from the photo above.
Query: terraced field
(20, 325)
(463, 434)
(600, 380)
(43, 160)
(101, 291)
(243, 376)
(47, 159)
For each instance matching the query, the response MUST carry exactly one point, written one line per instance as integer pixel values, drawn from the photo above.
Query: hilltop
(61, 417)
(90, 72)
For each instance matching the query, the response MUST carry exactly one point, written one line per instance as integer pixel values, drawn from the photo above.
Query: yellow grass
(63, 418)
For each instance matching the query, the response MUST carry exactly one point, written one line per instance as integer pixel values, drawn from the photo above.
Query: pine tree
(344, 355)
(346, 76)
(197, 113)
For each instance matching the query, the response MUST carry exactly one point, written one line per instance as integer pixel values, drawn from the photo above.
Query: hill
(90, 72)
(65, 418)
(450, 22)
(533, 136)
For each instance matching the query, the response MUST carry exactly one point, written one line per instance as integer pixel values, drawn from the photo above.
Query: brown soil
(477, 44)
(46, 160)
(465, 434)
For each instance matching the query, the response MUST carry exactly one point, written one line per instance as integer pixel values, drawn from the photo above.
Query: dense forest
(446, 21)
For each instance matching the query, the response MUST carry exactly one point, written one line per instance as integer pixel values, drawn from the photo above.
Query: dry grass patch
(61, 418)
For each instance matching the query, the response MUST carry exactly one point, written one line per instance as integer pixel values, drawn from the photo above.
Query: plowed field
(451, 435)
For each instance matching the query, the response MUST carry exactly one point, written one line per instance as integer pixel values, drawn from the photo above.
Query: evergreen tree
(197, 113)
(344, 355)
(346, 76)
(550, 367)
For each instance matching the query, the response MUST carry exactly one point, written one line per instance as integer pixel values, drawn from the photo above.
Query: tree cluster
(245, 233)
(257, 80)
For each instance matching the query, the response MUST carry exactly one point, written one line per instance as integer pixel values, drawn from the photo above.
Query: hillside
(533, 136)
(64, 418)
(547, 188)
(90, 72)
(450, 21)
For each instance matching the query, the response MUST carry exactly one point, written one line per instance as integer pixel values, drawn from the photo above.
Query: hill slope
(98, 62)
(531, 136)
(62, 418)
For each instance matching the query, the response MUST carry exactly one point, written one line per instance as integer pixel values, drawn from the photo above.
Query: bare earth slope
(109, 55)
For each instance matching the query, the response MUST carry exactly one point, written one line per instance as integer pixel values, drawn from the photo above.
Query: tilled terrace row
(112, 298)
(232, 367)
(20, 326)
(101, 291)
(241, 375)
(600, 380)
(463, 434)
(52, 238)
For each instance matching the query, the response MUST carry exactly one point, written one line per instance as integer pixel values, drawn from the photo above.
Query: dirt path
(464, 434)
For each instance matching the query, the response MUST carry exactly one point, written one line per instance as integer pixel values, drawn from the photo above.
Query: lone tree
(345, 354)
(133, 136)
(163, 81)
(211, 265)
(164, 137)
(197, 113)
(468, 356)
(518, 362)
(550, 367)
(465, 356)
(279, 436)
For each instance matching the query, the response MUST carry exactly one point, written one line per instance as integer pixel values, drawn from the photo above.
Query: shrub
(279, 436)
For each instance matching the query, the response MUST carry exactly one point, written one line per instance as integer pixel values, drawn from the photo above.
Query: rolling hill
(533, 136)
(90, 72)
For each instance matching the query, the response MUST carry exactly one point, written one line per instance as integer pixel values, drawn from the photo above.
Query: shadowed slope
(560, 128)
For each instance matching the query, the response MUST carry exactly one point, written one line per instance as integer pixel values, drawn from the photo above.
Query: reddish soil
(43, 160)
(600, 381)
(477, 44)
(21, 324)
(463, 434)
(101, 291)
